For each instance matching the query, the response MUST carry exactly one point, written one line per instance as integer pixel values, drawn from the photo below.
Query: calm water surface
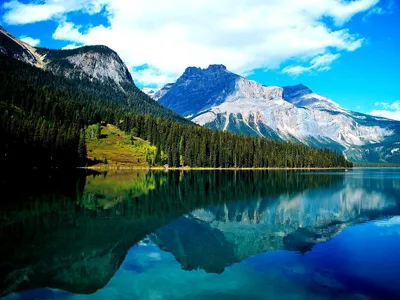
(201, 235)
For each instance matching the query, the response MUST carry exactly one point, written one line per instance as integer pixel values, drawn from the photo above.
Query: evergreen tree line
(43, 117)
(200, 147)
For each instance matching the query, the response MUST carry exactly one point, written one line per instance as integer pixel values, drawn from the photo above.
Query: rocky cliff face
(219, 99)
(92, 62)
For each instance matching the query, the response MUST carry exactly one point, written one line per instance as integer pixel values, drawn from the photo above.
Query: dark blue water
(206, 235)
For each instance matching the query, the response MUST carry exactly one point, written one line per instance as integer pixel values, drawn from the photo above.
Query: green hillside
(44, 118)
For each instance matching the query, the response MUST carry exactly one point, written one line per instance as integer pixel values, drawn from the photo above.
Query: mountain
(98, 65)
(219, 99)
(48, 97)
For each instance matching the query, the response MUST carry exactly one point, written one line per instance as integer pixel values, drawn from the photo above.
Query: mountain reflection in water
(72, 231)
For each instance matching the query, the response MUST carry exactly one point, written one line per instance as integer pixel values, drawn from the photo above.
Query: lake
(201, 235)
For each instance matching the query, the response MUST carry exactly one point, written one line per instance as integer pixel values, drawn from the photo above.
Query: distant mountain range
(217, 98)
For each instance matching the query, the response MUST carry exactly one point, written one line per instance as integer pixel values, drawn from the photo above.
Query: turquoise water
(202, 235)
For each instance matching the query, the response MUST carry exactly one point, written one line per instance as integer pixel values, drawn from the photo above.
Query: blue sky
(345, 50)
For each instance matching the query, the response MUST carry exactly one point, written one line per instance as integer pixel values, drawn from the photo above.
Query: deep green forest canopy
(43, 117)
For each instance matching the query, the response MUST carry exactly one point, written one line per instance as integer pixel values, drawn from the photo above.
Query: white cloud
(18, 13)
(151, 76)
(390, 110)
(244, 35)
(319, 63)
(67, 29)
(29, 40)
(70, 46)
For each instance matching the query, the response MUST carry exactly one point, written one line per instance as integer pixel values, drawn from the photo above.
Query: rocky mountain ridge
(92, 62)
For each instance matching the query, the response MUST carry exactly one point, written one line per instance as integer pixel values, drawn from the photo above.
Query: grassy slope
(116, 147)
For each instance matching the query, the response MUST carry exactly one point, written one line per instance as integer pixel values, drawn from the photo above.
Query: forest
(43, 119)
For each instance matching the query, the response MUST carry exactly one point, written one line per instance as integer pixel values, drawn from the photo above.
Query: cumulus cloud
(67, 29)
(245, 35)
(29, 40)
(319, 63)
(388, 110)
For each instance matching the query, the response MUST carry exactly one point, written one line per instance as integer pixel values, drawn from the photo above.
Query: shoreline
(113, 168)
